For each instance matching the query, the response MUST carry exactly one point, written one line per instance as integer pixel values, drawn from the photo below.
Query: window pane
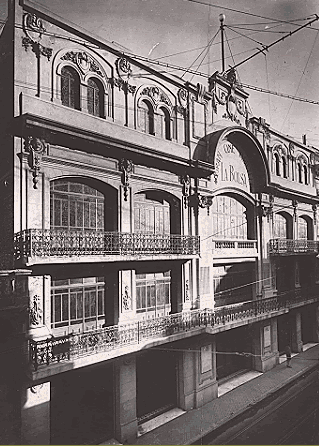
(73, 306)
(65, 307)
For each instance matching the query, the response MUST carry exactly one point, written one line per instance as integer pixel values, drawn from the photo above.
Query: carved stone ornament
(34, 29)
(84, 62)
(295, 206)
(314, 210)
(200, 96)
(187, 290)
(123, 85)
(231, 76)
(126, 300)
(157, 95)
(35, 312)
(36, 147)
(182, 97)
(186, 182)
(123, 68)
(126, 167)
(196, 201)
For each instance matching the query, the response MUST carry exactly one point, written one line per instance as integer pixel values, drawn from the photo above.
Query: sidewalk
(192, 425)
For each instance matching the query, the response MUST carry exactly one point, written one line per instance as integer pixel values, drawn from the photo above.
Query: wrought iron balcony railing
(51, 243)
(287, 246)
(75, 346)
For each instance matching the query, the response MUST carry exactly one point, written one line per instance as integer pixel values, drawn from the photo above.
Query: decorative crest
(126, 167)
(36, 147)
(34, 29)
(84, 62)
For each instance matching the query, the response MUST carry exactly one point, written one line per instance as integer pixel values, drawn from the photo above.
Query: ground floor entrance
(230, 346)
(82, 406)
(156, 383)
(284, 332)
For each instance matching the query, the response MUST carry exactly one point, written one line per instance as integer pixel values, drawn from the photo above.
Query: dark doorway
(82, 406)
(308, 323)
(156, 383)
(228, 345)
(284, 332)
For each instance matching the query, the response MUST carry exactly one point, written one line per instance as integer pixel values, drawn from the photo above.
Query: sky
(178, 32)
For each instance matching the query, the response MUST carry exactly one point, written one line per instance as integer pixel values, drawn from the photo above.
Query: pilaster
(125, 400)
(296, 334)
(265, 345)
(35, 415)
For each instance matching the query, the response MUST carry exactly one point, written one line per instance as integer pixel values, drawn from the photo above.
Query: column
(197, 375)
(35, 415)
(125, 400)
(296, 334)
(265, 345)
(176, 288)
(314, 317)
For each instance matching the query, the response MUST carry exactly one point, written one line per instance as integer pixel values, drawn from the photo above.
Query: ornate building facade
(148, 226)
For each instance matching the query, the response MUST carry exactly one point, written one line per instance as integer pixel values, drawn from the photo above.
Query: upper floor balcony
(54, 355)
(38, 246)
(234, 249)
(288, 247)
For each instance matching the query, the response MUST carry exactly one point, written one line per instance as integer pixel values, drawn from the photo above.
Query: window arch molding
(86, 66)
(93, 196)
(303, 170)
(305, 227)
(283, 225)
(247, 224)
(161, 103)
(100, 109)
(280, 160)
(173, 220)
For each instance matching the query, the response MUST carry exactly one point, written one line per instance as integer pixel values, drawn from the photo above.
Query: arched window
(95, 98)
(284, 167)
(302, 228)
(280, 226)
(146, 117)
(299, 172)
(76, 206)
(277, 164)
(305, 172)
(70, 88)
(165, 123)
(229, 218)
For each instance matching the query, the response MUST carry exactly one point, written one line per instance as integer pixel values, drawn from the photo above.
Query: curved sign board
(230, 169)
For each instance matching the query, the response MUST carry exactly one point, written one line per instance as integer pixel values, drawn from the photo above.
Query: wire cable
(302, 74)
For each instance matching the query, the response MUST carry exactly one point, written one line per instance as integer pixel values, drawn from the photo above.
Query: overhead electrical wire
(225, 8)
(302, 74)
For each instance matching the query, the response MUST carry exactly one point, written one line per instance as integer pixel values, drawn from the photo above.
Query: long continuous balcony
(38, 245)
(112, 339)
(290, 247)
(234, 249)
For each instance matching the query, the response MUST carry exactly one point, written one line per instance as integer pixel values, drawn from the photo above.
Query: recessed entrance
(156, 384)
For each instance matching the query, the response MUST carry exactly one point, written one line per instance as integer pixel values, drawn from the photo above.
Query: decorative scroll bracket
(196, 201)
(36, 147)
(314, 210)
(186, 182)
(126, 167)
(34, 29)
(295, 206)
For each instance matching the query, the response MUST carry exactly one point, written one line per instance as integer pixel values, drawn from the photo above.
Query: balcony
(105, 343)
(286, 247)
(235, 249)
(34, 246)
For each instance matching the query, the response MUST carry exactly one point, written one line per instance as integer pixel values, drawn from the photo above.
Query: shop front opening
(156, 384)
(228, 345)
(82, 406)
